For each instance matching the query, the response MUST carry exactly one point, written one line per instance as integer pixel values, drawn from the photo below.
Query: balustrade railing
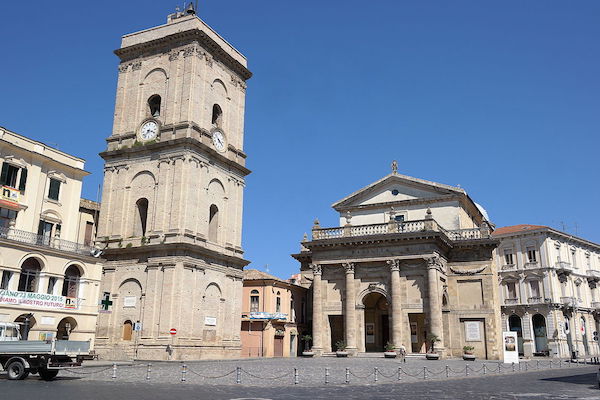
(535, 300)
(393, 227)
(43, 240)
(568, 301)
(563, 265)
(510, 302)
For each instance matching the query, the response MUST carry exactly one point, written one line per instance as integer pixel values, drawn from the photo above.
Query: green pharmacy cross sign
(106, 302)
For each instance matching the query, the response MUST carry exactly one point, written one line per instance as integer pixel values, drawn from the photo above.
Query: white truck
(19, 358)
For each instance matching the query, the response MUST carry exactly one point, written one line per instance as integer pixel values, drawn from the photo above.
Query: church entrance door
(377, 327)
(336, 325)
(417, 332)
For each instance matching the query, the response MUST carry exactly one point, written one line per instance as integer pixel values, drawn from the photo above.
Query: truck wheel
(16, 370)
(48, 374)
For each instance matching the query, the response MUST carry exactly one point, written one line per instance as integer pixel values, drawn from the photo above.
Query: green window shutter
(23, 180)
(4, 174)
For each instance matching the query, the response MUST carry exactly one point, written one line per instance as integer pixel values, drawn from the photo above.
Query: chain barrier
(78, 371)
(359, 377)
(213, 377)
(267, 378)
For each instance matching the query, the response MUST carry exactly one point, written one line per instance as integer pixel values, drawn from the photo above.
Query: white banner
(510, 346)
(39, 300)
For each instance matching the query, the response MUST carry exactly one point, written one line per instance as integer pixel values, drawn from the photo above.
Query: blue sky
(499, 97)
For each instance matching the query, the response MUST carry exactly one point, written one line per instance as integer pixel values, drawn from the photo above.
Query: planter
(468, 357)
(432, 356)
(308, 354)
(390, 354)
(341, 353)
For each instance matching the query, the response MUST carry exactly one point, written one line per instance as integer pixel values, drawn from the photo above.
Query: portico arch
(377, 327)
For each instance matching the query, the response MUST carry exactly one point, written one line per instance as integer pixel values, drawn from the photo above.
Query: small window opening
(217, 115)
(154, 105)
(213, 223)
(142, 211)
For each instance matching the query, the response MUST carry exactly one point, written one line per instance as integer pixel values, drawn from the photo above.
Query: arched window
(217, 115)
(71, 282)
(30, 272)
(278, 302)
(142, 217)
(213, 223)
(127, 330)
(154, 105)
(254, 301)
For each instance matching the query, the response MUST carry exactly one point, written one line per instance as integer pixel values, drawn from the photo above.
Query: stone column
(435, 304)
(396, 302)
(350, 309)
(317, 314)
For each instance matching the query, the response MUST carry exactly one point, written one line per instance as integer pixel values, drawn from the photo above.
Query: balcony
(563, 266)
(508, 267)
(423, 225)
(592, 273)
(536, 300)
(595, 304)
(532, 265)
(45, 241)
(511, 302)
(569, 301)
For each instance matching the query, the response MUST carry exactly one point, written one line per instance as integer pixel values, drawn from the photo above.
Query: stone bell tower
(171, 214)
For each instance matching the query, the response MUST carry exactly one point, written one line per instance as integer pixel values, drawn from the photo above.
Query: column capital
(316, 269)
(394, 265)
(349, 267)
(435, 262)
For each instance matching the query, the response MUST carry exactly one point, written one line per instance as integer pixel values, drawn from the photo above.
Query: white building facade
(49, 281)
(549, 286)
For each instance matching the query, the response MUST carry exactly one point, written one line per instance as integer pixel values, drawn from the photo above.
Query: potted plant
(340, 347)
(307, 349)
(431, 354)
(468, 353)
(390, 350)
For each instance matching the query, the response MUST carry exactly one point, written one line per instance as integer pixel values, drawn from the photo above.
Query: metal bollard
(399, 373)
(183, 372)
(238, 375)
(148, 372)
(347, 375)
(526, 366)
(513, 367)
(114, 375)
(424, 373)
(326, 376)
(483, 369)
(559, 363)
(375, 374)
(466, 370)
(519, 367)
(295, 376)
(447, 371)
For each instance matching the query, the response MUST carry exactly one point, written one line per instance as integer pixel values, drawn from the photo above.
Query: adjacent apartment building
(49, 278)
(549, 284)
(273, 317)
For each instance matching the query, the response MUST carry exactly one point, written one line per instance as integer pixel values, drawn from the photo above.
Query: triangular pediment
(394, 188)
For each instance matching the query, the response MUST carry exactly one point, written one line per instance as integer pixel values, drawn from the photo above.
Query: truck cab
(9, 332)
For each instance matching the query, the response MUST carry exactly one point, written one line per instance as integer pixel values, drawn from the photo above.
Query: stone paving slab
(310, 372)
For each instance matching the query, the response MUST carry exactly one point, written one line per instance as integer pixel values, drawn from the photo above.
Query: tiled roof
(516, 229)
(254, 274)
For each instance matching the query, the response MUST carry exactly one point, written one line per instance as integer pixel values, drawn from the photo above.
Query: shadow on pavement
(581, 379)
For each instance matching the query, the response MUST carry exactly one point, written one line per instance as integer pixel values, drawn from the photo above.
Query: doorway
(278, 346)
(514, 325)
(65, 327)
(377, 326)
(539, 332)
(417, 332)
(336, 326)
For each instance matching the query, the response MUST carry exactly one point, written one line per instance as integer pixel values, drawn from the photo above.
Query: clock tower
(171, 214)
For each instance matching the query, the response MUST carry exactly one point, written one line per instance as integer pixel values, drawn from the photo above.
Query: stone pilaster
(350, 309)
(436, 327)
(396, 302)
(317, 314)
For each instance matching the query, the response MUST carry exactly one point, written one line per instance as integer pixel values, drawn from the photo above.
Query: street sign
(173, 331)
(137, 326)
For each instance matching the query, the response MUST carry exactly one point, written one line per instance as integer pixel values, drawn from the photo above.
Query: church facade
(171, 214)
(411, 263)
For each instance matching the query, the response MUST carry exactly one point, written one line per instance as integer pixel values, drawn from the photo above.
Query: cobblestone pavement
(306, 372)
(576, 382)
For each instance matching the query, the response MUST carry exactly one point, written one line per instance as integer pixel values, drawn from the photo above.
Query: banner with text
(40, 300)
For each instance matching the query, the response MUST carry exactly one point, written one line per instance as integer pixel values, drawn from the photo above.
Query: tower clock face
(218, 139)
(148, 130)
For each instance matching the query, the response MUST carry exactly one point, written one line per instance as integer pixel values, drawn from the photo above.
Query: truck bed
(58, 347)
